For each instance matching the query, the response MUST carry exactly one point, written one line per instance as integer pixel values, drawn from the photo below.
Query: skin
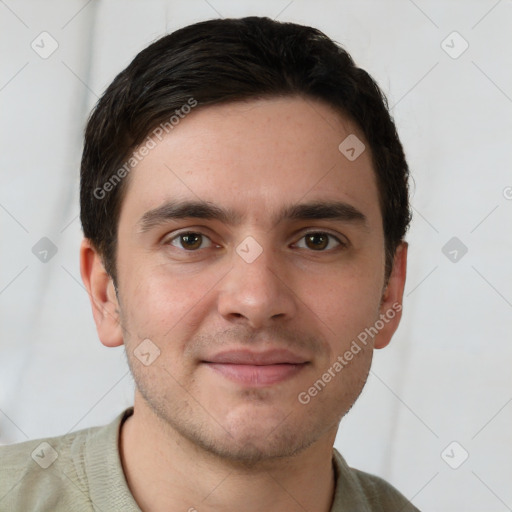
(255, 447)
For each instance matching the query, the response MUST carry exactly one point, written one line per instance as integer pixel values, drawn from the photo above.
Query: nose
(258, 293)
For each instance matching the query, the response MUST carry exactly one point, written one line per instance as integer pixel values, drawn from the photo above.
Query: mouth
(257, 369)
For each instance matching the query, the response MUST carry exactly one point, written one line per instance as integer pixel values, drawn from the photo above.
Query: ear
(100, 287)
(391, 305)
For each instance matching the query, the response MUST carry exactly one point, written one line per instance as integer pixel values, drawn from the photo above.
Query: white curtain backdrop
(442, 390)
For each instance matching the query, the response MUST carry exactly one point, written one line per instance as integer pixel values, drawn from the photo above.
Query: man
(244, 201)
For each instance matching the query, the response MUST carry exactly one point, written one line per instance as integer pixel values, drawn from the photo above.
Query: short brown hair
(226, 60)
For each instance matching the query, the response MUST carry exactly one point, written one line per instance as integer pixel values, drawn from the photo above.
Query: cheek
(160, 301)
(346, 302)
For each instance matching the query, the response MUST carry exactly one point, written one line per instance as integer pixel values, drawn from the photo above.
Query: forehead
(254, 156)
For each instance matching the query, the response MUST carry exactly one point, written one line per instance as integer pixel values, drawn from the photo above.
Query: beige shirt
(82, 472)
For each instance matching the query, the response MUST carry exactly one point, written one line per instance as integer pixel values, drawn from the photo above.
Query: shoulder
(380, 494)
(42, 474)
(368, 490)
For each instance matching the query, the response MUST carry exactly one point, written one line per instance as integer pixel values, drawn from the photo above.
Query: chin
(252, 447)
(254, 436)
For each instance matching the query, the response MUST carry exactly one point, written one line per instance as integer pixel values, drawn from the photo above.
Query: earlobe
(391, 304)
(102, 294)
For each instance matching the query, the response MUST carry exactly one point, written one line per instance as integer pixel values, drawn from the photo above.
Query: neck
(166, 472)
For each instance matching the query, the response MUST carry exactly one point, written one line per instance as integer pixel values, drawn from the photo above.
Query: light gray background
(446, 375)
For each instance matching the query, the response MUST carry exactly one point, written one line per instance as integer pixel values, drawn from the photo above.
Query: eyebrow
(316, 210)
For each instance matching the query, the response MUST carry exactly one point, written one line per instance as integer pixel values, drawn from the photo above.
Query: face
(251, 255)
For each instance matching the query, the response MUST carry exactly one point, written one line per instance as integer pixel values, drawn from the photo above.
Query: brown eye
(189, 241)
(320, 241)
(317, 241)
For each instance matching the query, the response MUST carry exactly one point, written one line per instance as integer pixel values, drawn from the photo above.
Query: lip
(268, 357)
(257, 369)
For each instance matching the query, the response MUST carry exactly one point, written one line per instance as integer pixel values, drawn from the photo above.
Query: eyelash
(341, 244)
